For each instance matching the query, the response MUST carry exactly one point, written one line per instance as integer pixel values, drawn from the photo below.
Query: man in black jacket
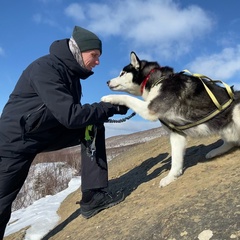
(44, 113)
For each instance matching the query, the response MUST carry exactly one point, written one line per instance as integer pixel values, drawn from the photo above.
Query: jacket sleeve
(55, 93)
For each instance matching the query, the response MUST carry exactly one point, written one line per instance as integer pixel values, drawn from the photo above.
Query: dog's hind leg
(231, 138)
(178, 146)
(225, 147)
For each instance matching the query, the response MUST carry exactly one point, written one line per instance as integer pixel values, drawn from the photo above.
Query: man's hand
(121, 109)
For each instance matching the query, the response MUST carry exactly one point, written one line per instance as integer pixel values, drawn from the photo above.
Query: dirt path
(202, 204)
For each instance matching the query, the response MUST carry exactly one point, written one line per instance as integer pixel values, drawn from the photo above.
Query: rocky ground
(202, 204)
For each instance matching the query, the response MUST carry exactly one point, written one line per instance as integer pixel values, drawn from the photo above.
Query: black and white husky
(183, 105)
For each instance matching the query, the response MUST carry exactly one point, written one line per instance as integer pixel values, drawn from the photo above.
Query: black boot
(99, 201)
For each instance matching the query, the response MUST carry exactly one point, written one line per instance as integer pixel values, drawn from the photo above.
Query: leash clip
(90, 137)
(93, 151)
(90, 149)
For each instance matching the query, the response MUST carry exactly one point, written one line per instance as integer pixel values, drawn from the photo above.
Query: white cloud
(237, 86)
(1, 51)
(147, 23)
(39, 18)
(50, 1)
(223, 65)
(75, 11)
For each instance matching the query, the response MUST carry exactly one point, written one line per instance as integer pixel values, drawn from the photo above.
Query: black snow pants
(14, 170)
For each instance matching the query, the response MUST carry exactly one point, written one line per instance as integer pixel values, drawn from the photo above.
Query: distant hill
(118, 144)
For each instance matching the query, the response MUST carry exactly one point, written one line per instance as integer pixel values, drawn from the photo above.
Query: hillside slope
(202, 204)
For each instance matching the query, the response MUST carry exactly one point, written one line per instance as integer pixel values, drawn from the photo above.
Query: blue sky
(201, 36)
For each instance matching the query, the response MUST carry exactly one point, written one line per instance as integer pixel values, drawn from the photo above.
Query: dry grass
(206, 197)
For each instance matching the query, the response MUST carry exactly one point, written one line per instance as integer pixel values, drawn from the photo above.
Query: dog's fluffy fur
(179, 99)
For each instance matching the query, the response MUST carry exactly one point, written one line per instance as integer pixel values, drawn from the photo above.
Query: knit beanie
(86, 40)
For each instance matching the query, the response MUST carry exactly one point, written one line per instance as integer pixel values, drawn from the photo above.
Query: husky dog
(182, 104)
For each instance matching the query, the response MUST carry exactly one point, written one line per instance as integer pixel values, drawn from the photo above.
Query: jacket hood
(61, 50)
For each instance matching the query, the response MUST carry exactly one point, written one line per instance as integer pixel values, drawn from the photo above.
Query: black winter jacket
(46, 101)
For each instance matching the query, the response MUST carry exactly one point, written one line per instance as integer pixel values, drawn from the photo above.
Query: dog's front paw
(172, 176)
(112, 99)
(106, 98)
(167, 180)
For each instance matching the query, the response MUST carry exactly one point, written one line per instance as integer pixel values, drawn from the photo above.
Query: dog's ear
(135, 60)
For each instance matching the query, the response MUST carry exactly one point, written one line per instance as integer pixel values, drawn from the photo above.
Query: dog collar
(147, 78)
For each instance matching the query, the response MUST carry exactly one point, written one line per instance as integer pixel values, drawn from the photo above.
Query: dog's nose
(108, 83)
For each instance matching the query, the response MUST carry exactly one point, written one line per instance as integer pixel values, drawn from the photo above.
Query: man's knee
(68, 138)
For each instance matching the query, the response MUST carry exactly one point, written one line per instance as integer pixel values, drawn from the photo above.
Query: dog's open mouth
(113, 87)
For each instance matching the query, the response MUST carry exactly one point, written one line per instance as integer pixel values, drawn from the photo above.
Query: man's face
(91, 58)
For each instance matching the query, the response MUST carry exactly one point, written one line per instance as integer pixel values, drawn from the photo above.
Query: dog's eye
(122, 73)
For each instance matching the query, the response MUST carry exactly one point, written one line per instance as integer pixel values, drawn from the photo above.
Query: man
(44, 113)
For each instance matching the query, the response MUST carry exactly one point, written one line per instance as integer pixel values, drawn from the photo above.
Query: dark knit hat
(86, 40)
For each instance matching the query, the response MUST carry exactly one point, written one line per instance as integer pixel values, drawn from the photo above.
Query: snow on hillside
(52, 176)
(42, 215)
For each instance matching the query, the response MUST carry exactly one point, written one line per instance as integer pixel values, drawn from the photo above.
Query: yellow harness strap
(211, 95)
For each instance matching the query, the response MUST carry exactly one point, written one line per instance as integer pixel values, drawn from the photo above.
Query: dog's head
(133, 75)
